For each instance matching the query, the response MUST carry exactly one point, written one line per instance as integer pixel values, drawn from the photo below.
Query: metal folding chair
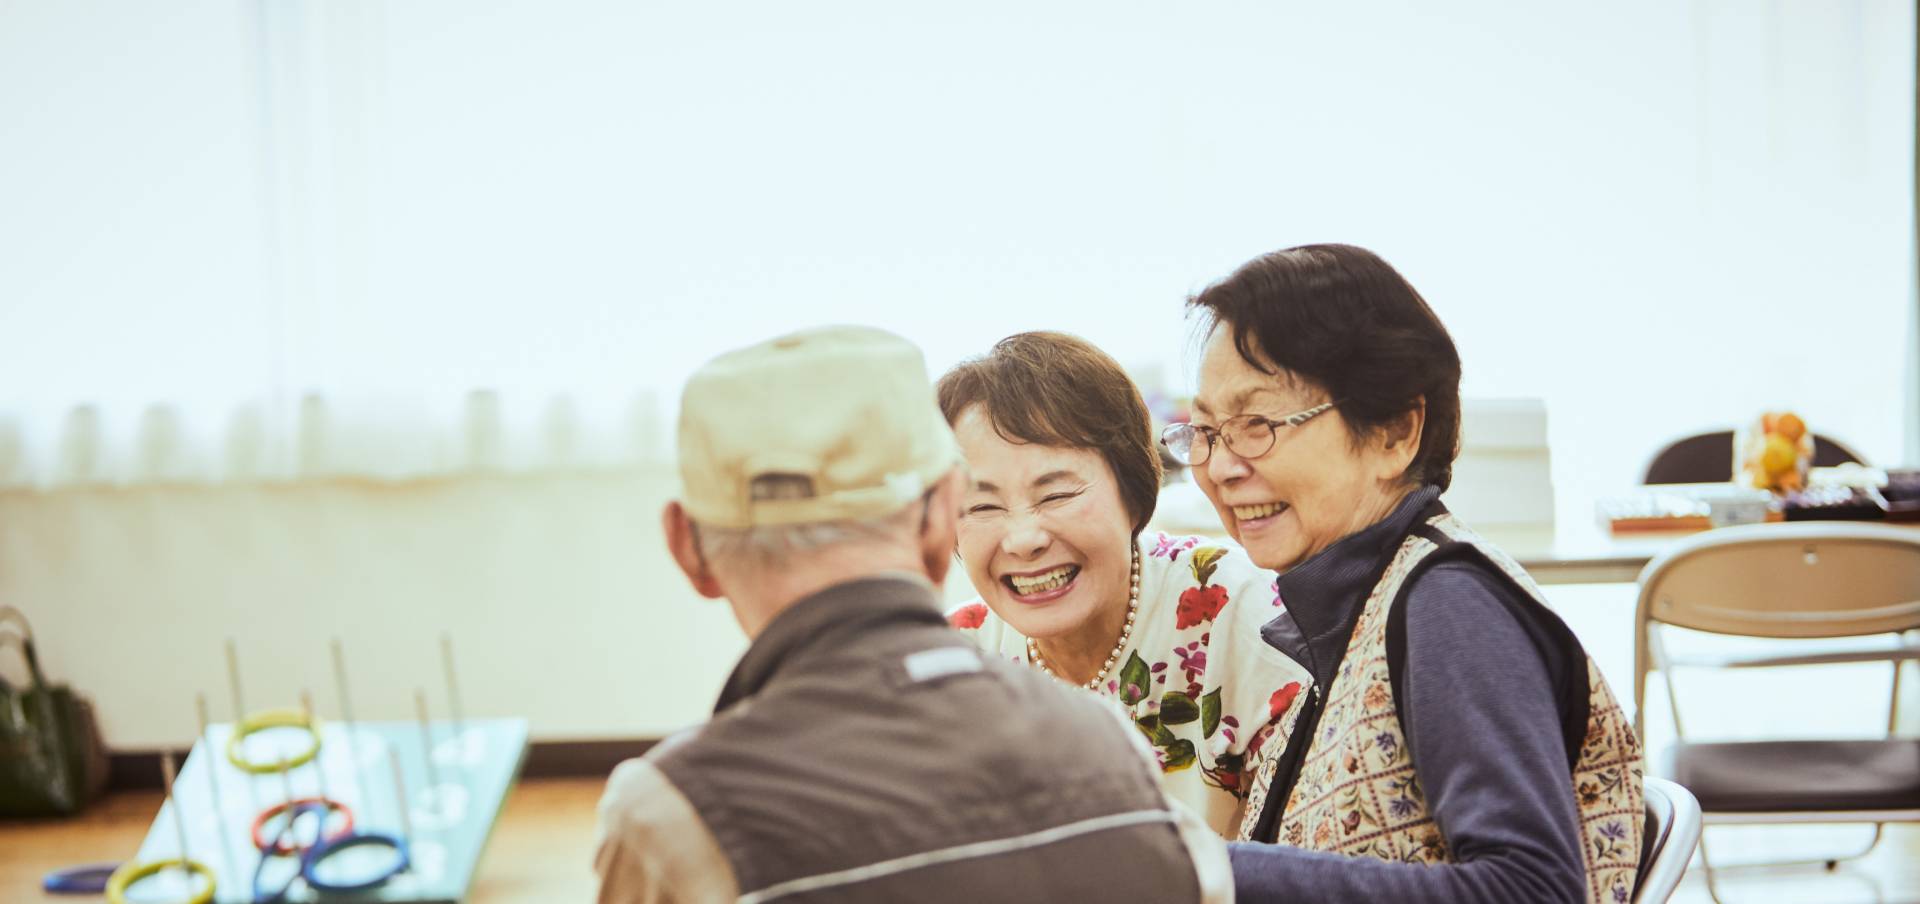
(1807, 581)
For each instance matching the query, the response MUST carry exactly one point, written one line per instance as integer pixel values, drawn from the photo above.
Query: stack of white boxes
(1503, 477)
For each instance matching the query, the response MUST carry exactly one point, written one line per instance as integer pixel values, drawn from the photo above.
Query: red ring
(286, 847)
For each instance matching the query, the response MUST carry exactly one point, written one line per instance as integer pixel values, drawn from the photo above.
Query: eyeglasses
(1247, 435)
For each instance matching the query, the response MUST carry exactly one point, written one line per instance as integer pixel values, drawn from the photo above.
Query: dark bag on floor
(52, 761)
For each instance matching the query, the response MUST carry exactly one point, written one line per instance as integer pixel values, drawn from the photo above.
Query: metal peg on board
(211, 760)
(426, 749)
(453, 685)
(179, 819)
(347, 729)
(400, 801)
(239, 710)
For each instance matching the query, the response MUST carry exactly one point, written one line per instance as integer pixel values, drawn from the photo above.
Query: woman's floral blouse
(1195, 678)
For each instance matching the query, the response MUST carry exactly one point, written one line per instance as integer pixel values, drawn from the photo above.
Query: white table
(1576, 549)
(1573, 555)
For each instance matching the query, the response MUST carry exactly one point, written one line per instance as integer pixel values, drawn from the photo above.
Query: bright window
(1659, 217)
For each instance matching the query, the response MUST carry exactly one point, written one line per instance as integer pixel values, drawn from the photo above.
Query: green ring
(273, 718)
(124, 878)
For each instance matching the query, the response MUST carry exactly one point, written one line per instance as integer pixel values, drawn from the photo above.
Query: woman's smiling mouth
(1036, 587)
(1253, 514)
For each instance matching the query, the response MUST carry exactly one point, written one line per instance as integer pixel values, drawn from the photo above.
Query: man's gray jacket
(864, 751)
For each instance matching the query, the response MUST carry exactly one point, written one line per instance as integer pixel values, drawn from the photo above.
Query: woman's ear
(1400, 441)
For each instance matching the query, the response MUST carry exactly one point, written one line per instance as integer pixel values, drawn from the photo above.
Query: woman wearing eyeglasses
(1455, 742)
(1064, 473)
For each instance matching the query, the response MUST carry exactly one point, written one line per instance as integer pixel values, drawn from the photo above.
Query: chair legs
(1706, 866)
(1829, 863)
(1879, 828)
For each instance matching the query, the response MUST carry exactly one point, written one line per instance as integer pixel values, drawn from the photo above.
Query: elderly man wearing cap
(845, 756)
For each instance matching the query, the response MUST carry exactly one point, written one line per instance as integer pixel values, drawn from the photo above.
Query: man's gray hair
(754, 550)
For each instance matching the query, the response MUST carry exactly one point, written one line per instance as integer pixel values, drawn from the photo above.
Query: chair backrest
(1708, 458)
(1673, 832)
(1831, 453)
(1702, 458)
(1809, 579)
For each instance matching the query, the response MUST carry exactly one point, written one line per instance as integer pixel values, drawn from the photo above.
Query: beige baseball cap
(827, 424)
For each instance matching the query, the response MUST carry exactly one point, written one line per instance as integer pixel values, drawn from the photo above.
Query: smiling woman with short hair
(1064, 473)
(1457, 745)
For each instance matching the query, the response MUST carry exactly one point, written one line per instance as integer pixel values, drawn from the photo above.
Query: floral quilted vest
(1357, 792)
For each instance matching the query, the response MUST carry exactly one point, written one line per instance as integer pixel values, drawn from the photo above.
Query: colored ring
(79, 880)
(273, 718)
(260, 869)
(284, 846)
(332, 846)
(124, 878)
(261, 897)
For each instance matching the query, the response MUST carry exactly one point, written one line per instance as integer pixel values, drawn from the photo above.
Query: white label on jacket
(927, 665)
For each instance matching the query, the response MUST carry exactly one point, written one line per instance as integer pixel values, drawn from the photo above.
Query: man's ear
(683, 543)
(1400, 439)
(939, 526)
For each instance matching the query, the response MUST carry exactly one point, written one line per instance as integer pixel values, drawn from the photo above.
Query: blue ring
(261, 897)
(293, 816)
(325, 849)
(78, 880)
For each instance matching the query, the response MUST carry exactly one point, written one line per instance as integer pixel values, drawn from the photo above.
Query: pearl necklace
(1126, 632)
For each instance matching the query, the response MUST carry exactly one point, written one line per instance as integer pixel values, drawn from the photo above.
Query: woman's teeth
(1041, 583)
(1255, 512)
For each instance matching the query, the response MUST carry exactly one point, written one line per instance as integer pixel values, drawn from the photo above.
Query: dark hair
(1342, 318)
(1059, 390)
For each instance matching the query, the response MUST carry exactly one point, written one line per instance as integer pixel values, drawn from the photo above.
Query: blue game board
(452, 813)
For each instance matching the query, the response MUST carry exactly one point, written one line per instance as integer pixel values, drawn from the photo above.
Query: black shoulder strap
(1572, 694)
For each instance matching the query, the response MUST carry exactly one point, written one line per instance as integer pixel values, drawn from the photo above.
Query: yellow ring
(273, 718)
(129, 873)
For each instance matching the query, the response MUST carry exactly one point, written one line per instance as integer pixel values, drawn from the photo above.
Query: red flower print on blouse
(1199, 604)
(1282, 699)
(972, 615)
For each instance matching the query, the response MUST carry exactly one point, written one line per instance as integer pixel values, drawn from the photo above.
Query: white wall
(562, 603)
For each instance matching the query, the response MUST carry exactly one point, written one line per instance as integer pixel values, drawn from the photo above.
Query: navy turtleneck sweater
(1478, 701)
